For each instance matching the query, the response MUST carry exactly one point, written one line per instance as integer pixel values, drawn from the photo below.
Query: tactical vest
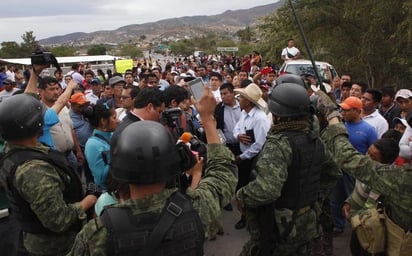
(302, 186)
(26, 217)
(177, 231)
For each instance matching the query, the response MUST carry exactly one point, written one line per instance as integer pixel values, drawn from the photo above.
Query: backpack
(369, 227)
(177, 231)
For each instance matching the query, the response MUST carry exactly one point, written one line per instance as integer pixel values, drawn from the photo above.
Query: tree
(10, 50)
(63, 51)
(29, 44)
(180, 47)
(96, 50)
(370, 39)
(130, 50)
(246, 35)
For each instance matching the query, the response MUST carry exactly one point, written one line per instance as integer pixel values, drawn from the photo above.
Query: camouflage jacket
(40, 185)
(272, 169)
(214, 191)
(394, 183)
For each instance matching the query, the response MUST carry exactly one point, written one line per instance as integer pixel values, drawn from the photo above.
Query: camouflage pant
(299, 245)
(285, 249)
(323, 246)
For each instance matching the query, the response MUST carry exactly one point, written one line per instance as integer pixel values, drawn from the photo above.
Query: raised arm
(65, 96)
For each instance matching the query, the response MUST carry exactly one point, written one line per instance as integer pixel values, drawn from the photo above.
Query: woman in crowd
(104, 121)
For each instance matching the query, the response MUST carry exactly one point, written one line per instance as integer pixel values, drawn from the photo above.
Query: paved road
(230, 244)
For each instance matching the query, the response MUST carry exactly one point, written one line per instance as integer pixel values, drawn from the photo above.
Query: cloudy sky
(48, 18)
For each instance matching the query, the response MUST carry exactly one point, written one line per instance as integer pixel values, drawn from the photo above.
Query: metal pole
(305, 41)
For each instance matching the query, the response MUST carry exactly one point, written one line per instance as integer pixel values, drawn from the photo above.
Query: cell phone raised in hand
(196, 87)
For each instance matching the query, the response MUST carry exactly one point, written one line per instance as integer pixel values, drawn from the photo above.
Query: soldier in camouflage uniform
(40, 193)
(294, 174)
(149, 195)
(394, 183)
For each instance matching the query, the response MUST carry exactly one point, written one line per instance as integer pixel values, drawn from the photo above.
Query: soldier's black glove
(93, 189)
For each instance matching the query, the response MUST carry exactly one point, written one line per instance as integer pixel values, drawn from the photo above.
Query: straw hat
(253, 93)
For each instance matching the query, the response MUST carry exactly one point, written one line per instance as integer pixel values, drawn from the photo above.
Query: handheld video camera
(41, 57)
(171, 117)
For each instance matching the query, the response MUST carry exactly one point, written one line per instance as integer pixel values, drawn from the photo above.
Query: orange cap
(78, 98)
(351, 102)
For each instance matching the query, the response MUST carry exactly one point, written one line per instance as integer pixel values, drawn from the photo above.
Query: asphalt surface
(230, 244)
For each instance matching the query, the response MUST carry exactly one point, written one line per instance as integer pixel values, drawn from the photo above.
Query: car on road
(301, 66)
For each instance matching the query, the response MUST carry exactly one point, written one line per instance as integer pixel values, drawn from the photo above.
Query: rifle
(305, 41)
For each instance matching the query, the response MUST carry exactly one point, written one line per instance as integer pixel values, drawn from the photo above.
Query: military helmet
(21, 117)
(290, 78)
(144, 153)
(289, 100)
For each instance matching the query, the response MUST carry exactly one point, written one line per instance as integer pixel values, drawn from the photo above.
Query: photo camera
(41, 57)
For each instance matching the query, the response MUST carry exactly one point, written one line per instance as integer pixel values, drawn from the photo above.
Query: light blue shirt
(257, 120)
(94, 150)
(231, 116)
(81, 127)
(50, 118)
(104, 199)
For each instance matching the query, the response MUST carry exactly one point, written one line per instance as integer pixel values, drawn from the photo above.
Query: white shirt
(92, 98)
(293, 51)
(217, 96)
(405, 146)
(62, 131)
(121, 113)
(378, 122)
(10, 75)
(5, 94)
(257, 121)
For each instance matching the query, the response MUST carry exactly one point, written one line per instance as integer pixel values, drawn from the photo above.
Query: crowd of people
(113, 149)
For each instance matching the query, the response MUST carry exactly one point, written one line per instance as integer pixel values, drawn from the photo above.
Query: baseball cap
(95, 81)
(351, 102)
(400, 120)
(78, 98)
(116, 79)
(267, 70)
(403, 93)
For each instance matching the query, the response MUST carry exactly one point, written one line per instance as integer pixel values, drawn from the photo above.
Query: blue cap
(95, 81)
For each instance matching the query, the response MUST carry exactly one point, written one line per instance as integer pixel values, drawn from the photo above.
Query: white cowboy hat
(253, 93)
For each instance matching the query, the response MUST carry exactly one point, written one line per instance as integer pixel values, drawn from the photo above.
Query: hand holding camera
(41, 59)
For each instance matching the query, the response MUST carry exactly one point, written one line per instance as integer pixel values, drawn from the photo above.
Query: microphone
(185, 138)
